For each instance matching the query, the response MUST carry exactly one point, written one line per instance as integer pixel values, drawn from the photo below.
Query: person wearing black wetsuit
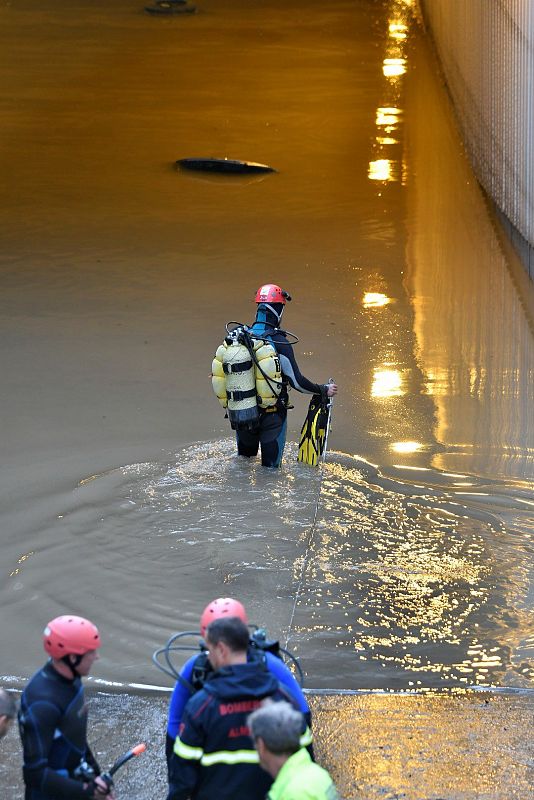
(53, 717)
(271, 432)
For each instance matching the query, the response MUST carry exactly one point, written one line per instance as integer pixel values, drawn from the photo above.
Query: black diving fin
(314, 431)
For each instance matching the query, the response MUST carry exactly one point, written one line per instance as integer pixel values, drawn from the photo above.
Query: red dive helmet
(271, 293)
(70, 635)
(222, 607)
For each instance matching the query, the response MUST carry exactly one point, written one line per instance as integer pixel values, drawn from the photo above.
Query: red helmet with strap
(271, 293)
(222, 607)
(70, 635)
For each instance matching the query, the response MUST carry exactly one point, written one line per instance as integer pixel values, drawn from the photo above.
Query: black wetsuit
(53, 729)
(271, 433)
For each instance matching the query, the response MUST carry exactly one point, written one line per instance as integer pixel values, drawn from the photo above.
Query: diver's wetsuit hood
(270, 313)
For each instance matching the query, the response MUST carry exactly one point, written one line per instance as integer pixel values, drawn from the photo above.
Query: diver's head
(271, 297)
(72, 640)
(219, 608)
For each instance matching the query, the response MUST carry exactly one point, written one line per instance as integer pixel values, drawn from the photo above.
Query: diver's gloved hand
(331, 389)
(101, 787)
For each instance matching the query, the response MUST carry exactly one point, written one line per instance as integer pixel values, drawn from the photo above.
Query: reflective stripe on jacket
(214, 756)
(226, 756)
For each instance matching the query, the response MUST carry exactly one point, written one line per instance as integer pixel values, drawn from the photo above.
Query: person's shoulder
(319, 777)
(283, 692)
(281, 336)
(279, 340)
(310, 782)
(198, 702)
(41, 682)
(276, 666)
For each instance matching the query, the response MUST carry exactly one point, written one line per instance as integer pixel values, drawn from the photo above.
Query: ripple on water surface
(407, 579)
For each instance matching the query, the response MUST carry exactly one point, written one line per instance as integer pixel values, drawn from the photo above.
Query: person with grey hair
(275, 729)
(8, 711)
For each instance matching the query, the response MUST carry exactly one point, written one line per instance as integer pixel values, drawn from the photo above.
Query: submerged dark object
(223, 165)
(171, 7)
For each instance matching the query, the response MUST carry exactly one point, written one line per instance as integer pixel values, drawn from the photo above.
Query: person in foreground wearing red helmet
(271, 433)
(58, 762)
(214, 757)
(198, 669)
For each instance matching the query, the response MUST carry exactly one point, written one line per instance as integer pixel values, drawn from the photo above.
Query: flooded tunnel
(401, 571)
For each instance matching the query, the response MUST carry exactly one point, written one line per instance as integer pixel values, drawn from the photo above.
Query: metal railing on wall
(486, 49)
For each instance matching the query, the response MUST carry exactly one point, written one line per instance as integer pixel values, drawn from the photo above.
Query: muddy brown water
(121, 497)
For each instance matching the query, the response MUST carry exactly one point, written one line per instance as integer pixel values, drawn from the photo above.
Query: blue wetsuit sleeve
(283, 674)
(179, 698)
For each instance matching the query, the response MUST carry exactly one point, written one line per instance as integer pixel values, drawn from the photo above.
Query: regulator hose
(258, 641)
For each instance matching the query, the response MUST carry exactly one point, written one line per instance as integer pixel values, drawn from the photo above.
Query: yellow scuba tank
(238, 396)
(245, 374)
(218, 378)
(268, 373)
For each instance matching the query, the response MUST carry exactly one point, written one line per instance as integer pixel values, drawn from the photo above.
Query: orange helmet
(222, 607)
(271, 293)
(70, 635)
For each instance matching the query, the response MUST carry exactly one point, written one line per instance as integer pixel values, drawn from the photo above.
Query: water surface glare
(400, 582)
(118, 273)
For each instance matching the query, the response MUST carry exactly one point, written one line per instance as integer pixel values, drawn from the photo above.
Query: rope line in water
(309, 540)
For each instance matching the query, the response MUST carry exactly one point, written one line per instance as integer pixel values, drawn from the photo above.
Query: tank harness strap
(239, 395)
(242, 366)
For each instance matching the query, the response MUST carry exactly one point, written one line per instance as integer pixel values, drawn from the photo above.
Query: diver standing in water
(251, 374)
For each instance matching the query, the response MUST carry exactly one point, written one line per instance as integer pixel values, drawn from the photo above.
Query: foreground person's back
(213, 755)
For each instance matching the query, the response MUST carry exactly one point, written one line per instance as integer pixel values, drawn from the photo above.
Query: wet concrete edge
(376, 745)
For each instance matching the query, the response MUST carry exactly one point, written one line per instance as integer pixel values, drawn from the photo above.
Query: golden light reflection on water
(381, 170)
(393, 67)
(397, 30)
(388, 117)
(375, 300)
(472, 325)
(382, 167)
(406, 447)
(423, 596)
(387, 383)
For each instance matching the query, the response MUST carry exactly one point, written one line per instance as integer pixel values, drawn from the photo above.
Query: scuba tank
(246, 376)
(268, 373)
(234, 382)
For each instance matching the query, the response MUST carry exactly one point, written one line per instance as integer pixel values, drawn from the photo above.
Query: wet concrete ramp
(427, 747)
(473, 746)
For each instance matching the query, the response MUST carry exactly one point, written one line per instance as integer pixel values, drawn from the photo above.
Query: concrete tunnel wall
(486, 49)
